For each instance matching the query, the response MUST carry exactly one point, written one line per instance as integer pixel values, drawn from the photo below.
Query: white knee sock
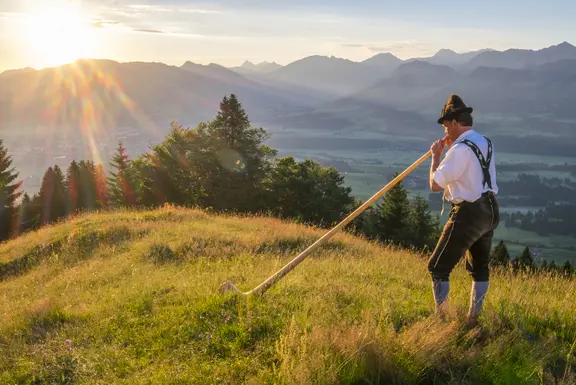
(440, 290)
(477, 295)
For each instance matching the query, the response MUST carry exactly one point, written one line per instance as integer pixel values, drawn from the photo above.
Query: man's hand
(437, 148)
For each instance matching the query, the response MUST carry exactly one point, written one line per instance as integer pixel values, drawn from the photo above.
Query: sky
(41, 33)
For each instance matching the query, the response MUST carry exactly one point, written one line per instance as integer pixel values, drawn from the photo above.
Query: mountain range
(514, 92)
(122, 94)
(546, 91)
(248, 67)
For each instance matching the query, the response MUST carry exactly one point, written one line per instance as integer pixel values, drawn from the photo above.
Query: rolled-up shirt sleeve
(452, 166)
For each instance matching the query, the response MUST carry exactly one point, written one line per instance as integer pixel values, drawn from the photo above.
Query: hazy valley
(368, 118)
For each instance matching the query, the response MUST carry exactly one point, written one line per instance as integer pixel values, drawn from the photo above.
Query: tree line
(223, 166)
(533, 190)
(523, 167)
(525, 262)
(557, 219)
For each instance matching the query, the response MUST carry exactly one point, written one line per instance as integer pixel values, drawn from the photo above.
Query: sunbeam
(58, 32)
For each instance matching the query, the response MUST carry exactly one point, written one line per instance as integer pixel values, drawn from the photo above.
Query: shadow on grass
(29, 260)
(78, 246)
(296, 245)
(161, 254)
(44, 319)
(211, 248)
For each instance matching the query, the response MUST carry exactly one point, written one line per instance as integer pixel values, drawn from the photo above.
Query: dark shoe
(441, 312)
(471, 321)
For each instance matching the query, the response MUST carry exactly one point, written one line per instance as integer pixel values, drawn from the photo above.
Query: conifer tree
(26, 214)
(552, 266)
(526, 261)
(424, 229)
(365, 223)
(46, 192)
(500, 255)
(35, 212)
(59, 205)
(393, 223)
(87, 186)
(238, 161)
(52, 196)
(567, 269)
(73, 188)
(147, 191)
(173, 169)
(121, 186)
(9, 194)
(101, 187)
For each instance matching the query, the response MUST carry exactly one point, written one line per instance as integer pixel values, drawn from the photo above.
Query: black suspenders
(485, 164)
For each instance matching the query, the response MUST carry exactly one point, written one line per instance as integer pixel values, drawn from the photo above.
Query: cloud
(201, 11)
(150, 8)
(400, 46)
(148, 30)
(386, 48)
(177, 19)
(94, 22)
(393, 46)
(12, 15)
(171, 9)
(102, 23)
(353, 45)
(319, 18)
(9, 6)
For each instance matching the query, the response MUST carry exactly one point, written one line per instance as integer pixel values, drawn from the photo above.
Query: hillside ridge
(131, 296)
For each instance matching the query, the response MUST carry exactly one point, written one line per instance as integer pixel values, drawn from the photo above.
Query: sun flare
(59, 34)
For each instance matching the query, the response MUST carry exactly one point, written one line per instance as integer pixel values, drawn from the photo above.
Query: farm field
(367, 171)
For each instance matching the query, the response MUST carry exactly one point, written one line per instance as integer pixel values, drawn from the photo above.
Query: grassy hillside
(132, 297)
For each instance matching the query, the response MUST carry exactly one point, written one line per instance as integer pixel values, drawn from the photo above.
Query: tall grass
(132, 297)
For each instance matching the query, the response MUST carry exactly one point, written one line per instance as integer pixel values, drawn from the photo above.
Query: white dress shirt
(460, 173)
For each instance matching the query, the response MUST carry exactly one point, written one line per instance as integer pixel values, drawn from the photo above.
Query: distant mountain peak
(19, 70)
(248, 63)
(517, 58)
(564, 47)
(260, 67)
(190, 64)
(445, 52)
(321, 59)
(212, 70)
(383, 59)
(384, 56)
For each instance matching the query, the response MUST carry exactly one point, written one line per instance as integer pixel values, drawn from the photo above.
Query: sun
(59, 33)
